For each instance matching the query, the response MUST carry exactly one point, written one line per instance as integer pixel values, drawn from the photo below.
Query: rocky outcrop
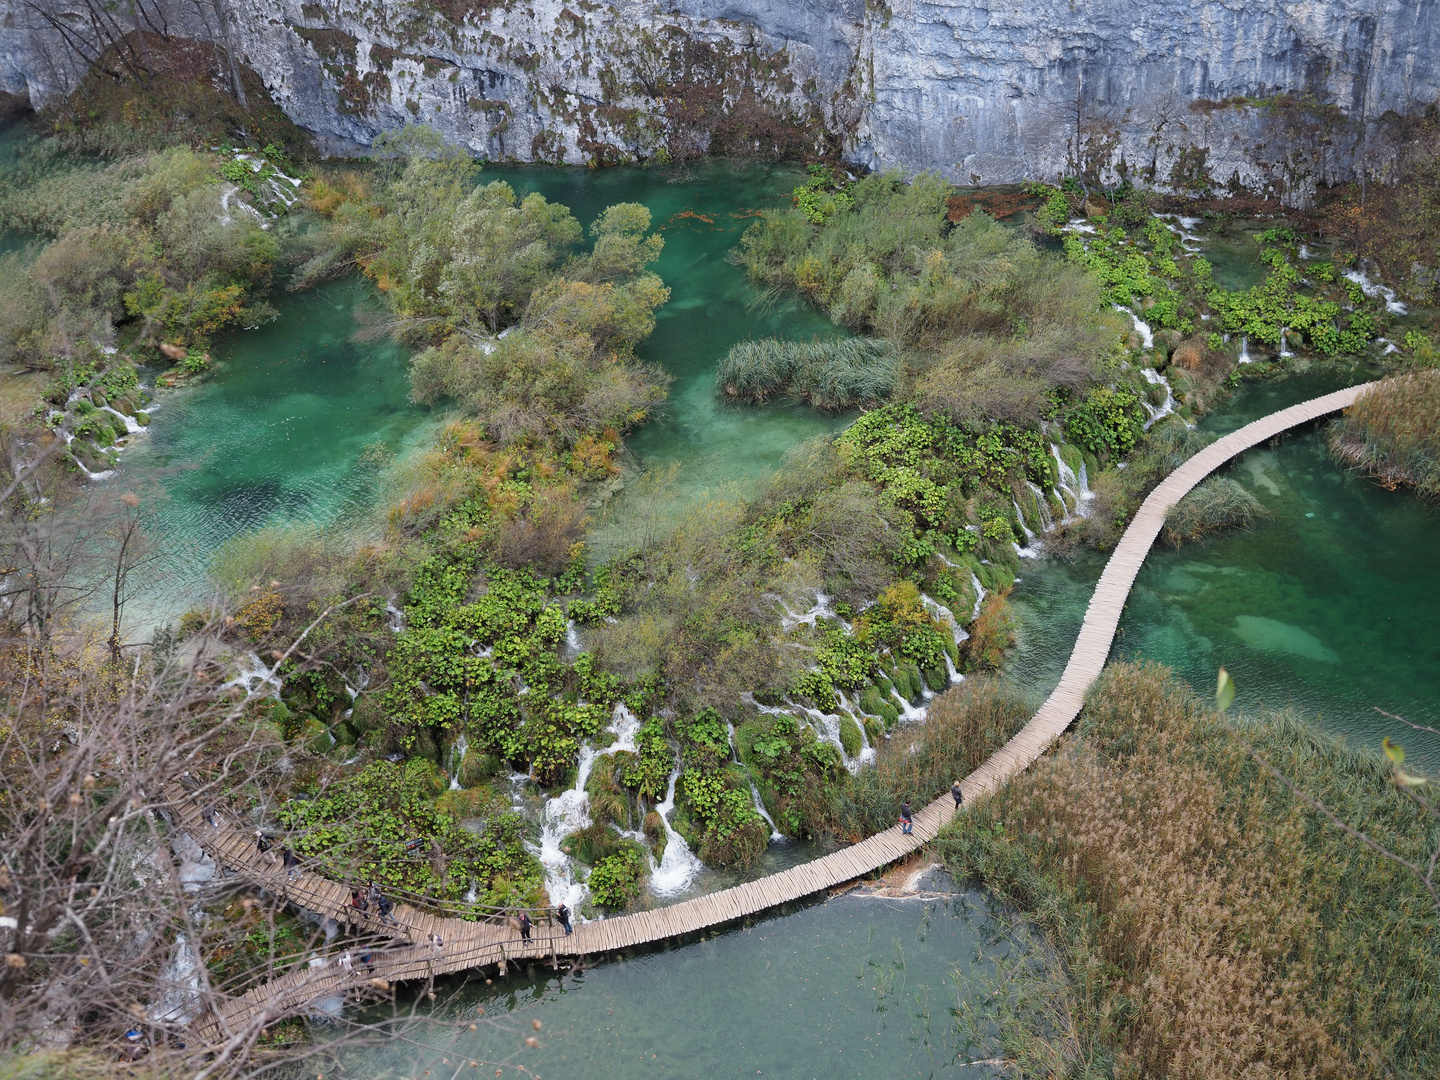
(1259, 94)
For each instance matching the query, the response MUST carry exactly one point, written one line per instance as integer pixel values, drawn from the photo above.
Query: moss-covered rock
(936, 677)
(316, 736)
(851, 738)
(909, 682)
(872, 701)
(142, 418)
(592, 844)
(874, 730)
(476, 769)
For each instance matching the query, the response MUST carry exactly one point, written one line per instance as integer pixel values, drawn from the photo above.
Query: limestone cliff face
(1187, 93)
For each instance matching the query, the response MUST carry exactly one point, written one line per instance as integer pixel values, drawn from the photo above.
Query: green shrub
(851, 737)
(618, 879)
(831, 373)
(1218, 503)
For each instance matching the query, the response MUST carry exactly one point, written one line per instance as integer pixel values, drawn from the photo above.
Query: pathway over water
(470, 945)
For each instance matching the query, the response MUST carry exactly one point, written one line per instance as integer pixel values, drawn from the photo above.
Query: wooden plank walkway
(467, 945)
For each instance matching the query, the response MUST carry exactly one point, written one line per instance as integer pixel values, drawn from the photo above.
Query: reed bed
(1214, 926)
(1393, 432)
(828, 373)
(1218, 503)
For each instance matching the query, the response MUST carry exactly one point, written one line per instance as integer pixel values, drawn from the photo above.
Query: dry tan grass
(1214, 929)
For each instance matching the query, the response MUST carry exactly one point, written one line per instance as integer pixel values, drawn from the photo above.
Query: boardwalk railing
(469, 945)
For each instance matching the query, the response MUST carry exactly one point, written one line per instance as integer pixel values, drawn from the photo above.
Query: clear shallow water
(274, 434)
(1329, 606)
(857, 986)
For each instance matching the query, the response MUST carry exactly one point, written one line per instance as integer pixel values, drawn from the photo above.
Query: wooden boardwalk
(409, 954)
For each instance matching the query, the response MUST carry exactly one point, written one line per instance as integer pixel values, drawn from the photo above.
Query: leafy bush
(357, 826)
(617, 879)
(1110, 420)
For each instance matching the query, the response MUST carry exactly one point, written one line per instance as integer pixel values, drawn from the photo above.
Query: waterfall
(1031, 550)
(1373, 289)
(1154, 378)
(775, 833)
(568, 812)
(678, 865)
(1284, 348)
(1245, 357)
(979, 595)
(1042, 507)
(821, 610)
(1072, 485)
(462, 746)
(572, 638)
(1147, 337)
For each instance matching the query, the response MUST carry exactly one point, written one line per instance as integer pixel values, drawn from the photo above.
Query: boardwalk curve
(468, 945)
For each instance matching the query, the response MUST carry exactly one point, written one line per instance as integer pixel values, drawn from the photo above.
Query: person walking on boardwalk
(524, 926)
(957, 795)
(437, 943)
(346, 964)
(385, 906)
(563, 914)
(906, 820)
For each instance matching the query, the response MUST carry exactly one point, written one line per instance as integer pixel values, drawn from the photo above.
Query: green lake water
(276, 432)
(858, 986)
(1329, 606)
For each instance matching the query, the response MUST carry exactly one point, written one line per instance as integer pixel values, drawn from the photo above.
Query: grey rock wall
(1259, 94)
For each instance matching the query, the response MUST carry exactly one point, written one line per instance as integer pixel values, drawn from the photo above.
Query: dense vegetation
(1218, 503)
(837, 373)
(1212, 923)
(1393, 432)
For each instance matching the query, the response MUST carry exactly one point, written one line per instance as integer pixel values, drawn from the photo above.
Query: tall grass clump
(1213, 924)
(1393, 432)
(962, 727)
(834, 373)
(1218, 503)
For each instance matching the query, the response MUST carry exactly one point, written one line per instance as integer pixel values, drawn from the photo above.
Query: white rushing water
(1245, 357)
(1373, 289)
(1157, 412)
(678, 864)
(568, 813)
(1147, 337)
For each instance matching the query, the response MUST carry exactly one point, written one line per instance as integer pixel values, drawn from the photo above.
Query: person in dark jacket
(906, 819)
(957, 795)
(563, 914)
(525, 926)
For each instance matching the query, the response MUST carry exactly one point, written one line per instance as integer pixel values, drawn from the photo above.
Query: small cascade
(462, 747)
(568, 812)
(821, 610)
(1167, 407)
(397, 618)
(1284, 347)
(1373, 289)
(255, 677)
(908, 713)
(1245, 357)
(678, 865)
(1076, 487)
(775, 833)
(1042, 507)
(1147, 336)
(1031, 550)
(572, 638)
(132, 426)
(979, 595)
